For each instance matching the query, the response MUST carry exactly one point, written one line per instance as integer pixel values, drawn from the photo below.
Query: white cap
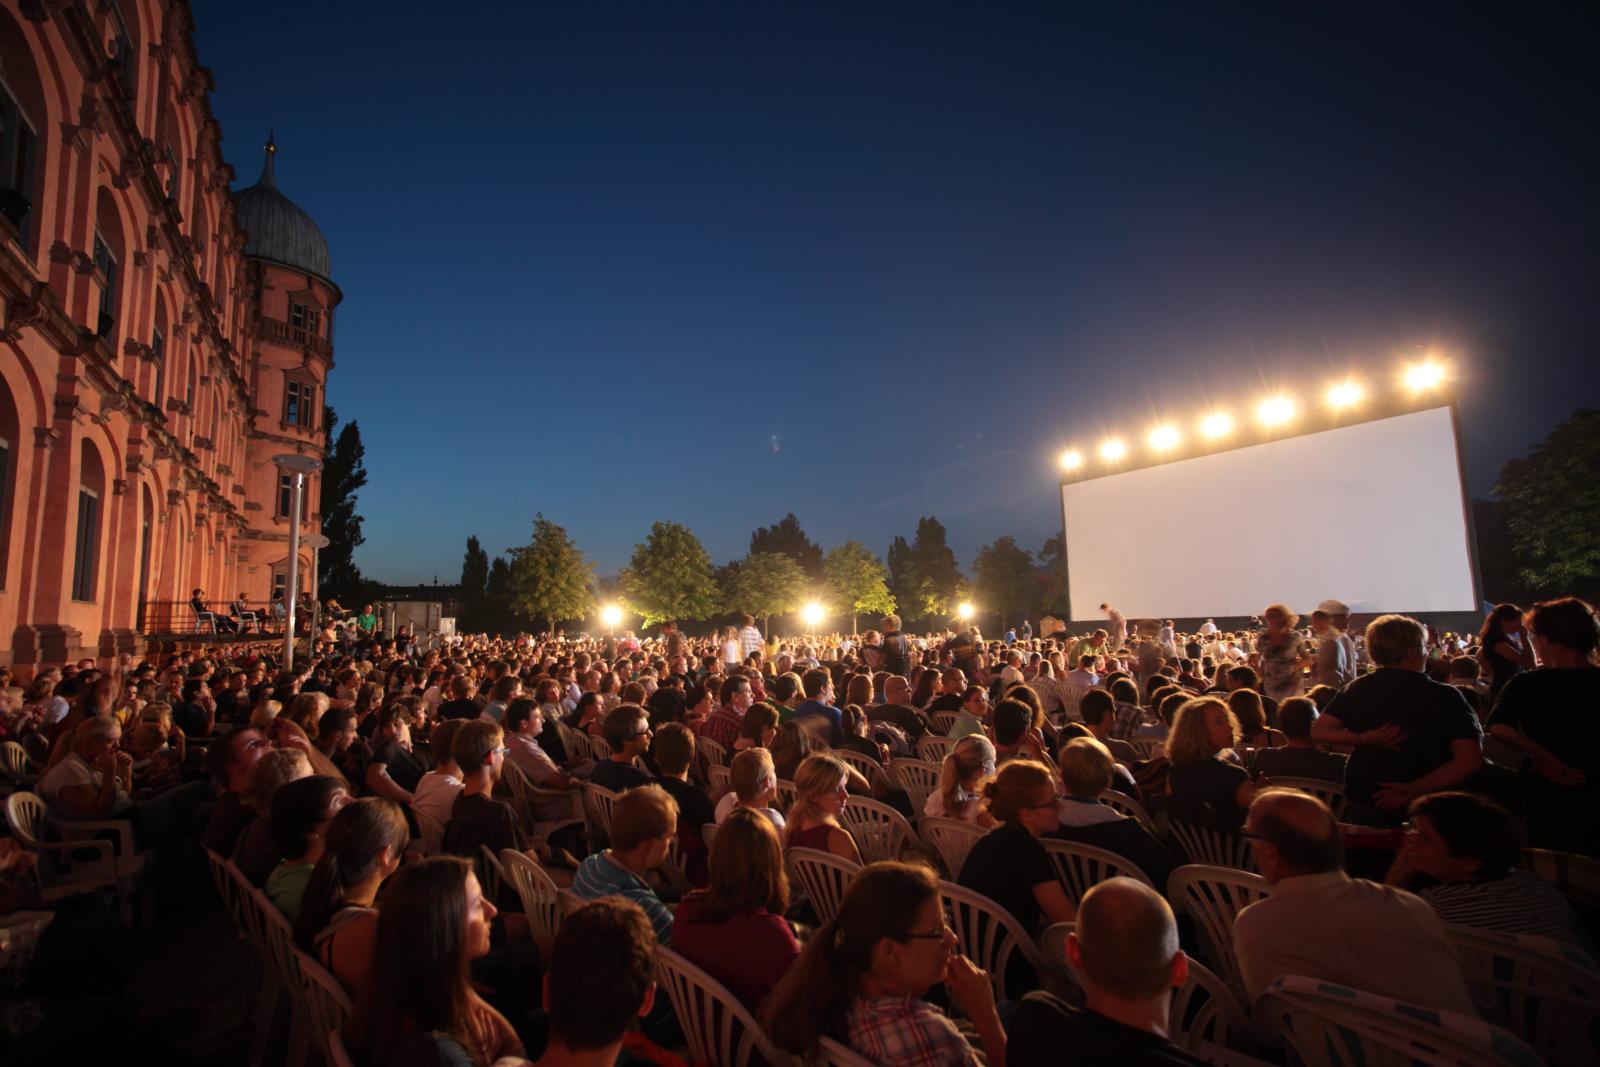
(1334, 607)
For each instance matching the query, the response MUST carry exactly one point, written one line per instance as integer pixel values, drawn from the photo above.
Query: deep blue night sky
(864, 262)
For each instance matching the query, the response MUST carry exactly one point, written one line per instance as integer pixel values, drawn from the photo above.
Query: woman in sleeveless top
(821, 793)
(337, 923)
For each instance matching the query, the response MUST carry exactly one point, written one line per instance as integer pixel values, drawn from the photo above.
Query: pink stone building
(161, 338)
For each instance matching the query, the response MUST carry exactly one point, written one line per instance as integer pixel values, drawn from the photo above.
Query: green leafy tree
(474, 571)
(550, 581)
(670, 577)
(1552, 508)
(765, 584)
(787, 538)
(857, 580)
(927, 578)
(1053, 589)
(1004, 577)
(343, 473)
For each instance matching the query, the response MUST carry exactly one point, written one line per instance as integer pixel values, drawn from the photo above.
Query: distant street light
(299, 466)
(611, 615)
(813, 614)
(964, 610)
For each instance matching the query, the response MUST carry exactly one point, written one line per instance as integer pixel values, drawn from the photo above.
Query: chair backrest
(570, 901)
(25, 814)
(1202, 844)
(950, 840)
(597, 804)
(1078, 867)
(933, 748)
(1205, 1012)
(787, 795)
(432, 832)
(1545, 991)
(323, 999)
(1215, 896)
(577, 743)
(1577, 876)
(1333, 1025)
(870, 768)
(943, 720)
(338, 1055)
(715, 752)
(599, 746)
(14, 760)
(1330, 793)
(824, 877)
(227, 888)
(1128, 806)
(719, 777)
(541, 899)
(716, 1027)
(988, 934)
(1148, 747)
(880, 832)
(277, 938)
(831, 1053)
(918, 778)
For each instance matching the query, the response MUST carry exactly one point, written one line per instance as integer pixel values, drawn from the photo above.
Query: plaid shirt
(723, 725)
(907, 1032)
(1129, 717)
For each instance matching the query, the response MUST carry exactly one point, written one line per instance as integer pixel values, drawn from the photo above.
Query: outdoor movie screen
(1373, 514)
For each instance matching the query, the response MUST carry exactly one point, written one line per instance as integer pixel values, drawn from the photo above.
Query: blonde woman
(1208, 785)
(820, 797)
(966, 768)
(1281, 654)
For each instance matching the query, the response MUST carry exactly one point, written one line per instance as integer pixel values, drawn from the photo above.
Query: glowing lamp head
(1071, 459)
(813, 614)
(1420, 377)
(1113, 450)
(1165, 438)
(611, 615)
(1345, 395)
(1215, 425)
(964, 610)
(1275, 411)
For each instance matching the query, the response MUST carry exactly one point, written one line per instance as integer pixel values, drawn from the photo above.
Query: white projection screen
(1372, 514)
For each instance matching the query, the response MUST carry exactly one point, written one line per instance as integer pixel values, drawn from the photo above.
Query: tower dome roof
(278, 231)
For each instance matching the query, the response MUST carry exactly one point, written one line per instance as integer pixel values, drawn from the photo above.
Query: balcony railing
(283, 333)
(164, 617)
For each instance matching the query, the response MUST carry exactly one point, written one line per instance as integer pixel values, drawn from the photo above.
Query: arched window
(109, 248)
(22, 121)
(10, 426)
(147, 513)
(86, 542)
(158, 352)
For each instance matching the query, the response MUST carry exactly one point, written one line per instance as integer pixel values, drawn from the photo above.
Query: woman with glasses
(1008, 864)
(862, 977)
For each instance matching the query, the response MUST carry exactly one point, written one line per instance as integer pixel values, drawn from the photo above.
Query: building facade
(163, 337)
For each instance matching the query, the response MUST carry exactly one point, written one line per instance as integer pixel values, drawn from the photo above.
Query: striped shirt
(1519, 903)
(601, 876)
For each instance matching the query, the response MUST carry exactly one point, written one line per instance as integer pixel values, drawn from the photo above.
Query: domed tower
(293, 297)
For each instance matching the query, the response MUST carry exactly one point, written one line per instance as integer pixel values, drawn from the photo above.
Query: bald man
(1126, 950)
(1321, 923)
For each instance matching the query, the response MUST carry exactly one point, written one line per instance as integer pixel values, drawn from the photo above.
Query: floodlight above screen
(1373, 514)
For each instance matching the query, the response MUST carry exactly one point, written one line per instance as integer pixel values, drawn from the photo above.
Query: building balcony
(279, 332)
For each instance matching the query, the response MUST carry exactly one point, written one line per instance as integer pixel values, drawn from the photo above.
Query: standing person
(1503, 647)
(1412, 735)
(1117, 629)
(1333, 666)
(1280, 651)
(861, 978)
(750, 639)
(896, 651)
(732, 649)
(1550, 715)
(367, 621)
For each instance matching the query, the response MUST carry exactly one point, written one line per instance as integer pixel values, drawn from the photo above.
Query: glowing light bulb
(1275, 411)
(1420, 377)
(813, 613)
(964, 609)
(1345, 394)
(1113, 450)
(1217, 424)
(611, 615)
(1071, 459)
(1165, 438)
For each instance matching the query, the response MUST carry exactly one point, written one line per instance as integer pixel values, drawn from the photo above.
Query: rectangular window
(158, 349)
(285, 495)
(299, 403)
(18, 156)
(86, 553)
(304, 318)
(106, 264)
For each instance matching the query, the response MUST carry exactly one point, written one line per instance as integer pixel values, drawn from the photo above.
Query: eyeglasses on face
(936, 935)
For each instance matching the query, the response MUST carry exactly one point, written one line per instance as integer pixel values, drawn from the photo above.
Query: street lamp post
(299, 466)
(318, 542)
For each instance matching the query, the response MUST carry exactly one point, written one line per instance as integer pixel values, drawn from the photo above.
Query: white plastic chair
(950, 840)
(278, 940)
(870, 768)
(577, 743)
(720, 778)
(989, 935)
(1128, 806)
(17, 765)
(716, 1027)
(1215, 896)
(1148, 747)
(323, 1001)
(599, 746)
(1328, 1025)
(1202, 844)
(824, 876)
(65, 868)
(491, 876)
(1543, 990)
(1079, 867)
(597, 804)
(715, 752)
(933, 748)
(943, 720)
(540, 896)
(917, 777)
(526, 796)
(787, 795)
(880, 832)
(1205, 1014)
(1330, 793)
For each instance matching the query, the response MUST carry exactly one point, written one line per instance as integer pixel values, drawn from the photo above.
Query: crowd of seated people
(317, 784)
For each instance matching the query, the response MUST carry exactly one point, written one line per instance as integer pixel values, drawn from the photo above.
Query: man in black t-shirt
(1125, 947)
(1412, 735)
(460, 705)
